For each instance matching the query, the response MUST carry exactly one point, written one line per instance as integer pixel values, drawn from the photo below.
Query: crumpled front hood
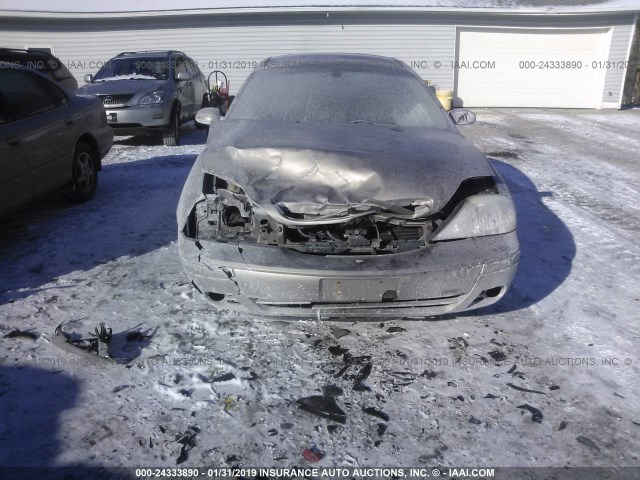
(308, 166)
(120, 87)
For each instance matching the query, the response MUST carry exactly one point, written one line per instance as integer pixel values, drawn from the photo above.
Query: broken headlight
(479, 216)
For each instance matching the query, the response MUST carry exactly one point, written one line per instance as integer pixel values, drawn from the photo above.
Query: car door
(184, 87)
(15, 177)
(199, 83)
(42, 127)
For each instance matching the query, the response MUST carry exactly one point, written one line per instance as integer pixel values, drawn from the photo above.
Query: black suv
(41, 61)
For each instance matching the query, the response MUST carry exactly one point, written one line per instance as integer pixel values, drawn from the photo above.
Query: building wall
(235, 43)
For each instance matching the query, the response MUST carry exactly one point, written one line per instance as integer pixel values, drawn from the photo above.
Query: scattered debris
(490, 395)
(286, 425)
(229, 405)
(588, 442)
(475, 421)
(332, 428)
(336, 350)
(615, 393)
(332, 391)
(225, 377)
(119, 388)
(338, 333)
(429, 374)
(376, 413)
(313, 454)
(512, 369)
(396, 329)
(382, 427)
(497, 355)
(536, 415)
(272, 432)
(22, 334)
(554, 387)
(96, 347)
(188, 441)
(232, 459)
(322, 406)
(521, 389)
(563, 425)
(459, 398)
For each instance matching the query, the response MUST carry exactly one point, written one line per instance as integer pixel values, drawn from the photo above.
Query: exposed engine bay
(226, 214)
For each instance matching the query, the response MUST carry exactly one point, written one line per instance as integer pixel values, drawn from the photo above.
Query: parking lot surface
(547, 377)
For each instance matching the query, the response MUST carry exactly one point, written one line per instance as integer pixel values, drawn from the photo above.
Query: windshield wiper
(370, 122)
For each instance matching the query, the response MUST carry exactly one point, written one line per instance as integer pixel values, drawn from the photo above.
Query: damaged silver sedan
(338, 187)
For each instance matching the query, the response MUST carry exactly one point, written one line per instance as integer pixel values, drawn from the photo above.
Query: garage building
(537, 54)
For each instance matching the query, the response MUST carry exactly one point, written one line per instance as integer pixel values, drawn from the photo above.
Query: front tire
(171, 136)
(84, 174)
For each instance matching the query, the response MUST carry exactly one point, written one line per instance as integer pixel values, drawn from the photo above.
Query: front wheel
(171, 136)
(84, 174)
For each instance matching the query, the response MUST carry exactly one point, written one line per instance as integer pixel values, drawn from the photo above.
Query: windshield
(339, 93)
(134, 67)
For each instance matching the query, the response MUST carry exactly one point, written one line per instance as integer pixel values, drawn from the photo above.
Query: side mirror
(88, 78)
(462, 116)
(183, 76)
(207, 116)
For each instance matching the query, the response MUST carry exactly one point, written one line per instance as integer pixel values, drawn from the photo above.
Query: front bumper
(443, 278)
(139, 118)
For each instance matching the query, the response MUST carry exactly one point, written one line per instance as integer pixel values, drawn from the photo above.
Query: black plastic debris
(563, 425)
(338, 333)
(119, 388)
(137, 336)
(22, 334)
(322, 406)
(459, 398)
(376, 413)
(96, 346)
(286, 425)
(475, 420)
(536, 415)
(429, 374)
(188, 441)
(364, 373)
(332, 391)
(336, 350)
(457, 342)
(554, 387)
(497, 355)
(588, 442)
(522, 389)
(332, 428)
(225, 377)
(396, 329)
(272, 432)
(232, 459)
(512, 369)
(382, 427)
(490, 395)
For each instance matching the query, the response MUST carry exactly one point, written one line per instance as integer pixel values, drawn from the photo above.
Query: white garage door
(531, 68)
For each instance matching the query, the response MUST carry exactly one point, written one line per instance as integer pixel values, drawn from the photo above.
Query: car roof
(333, 58)
(148, 53)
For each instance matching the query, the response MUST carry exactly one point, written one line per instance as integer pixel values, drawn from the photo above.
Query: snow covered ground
(208, 389)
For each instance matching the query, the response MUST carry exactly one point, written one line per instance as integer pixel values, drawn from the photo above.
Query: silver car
(145, 92)
(49, 139)
(338, 187)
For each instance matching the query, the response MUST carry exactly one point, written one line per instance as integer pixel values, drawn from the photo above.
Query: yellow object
(445, 97)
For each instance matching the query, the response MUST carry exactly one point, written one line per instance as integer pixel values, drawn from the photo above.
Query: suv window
(24, 94)
(194, 67)
(180, 66)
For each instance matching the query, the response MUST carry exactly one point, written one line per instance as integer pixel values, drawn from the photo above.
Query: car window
(194, 67)
(339, 93)
(24, 94)
(134, 67)
(180, 66)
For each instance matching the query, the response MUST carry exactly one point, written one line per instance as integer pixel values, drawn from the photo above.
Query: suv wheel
(171, 135)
